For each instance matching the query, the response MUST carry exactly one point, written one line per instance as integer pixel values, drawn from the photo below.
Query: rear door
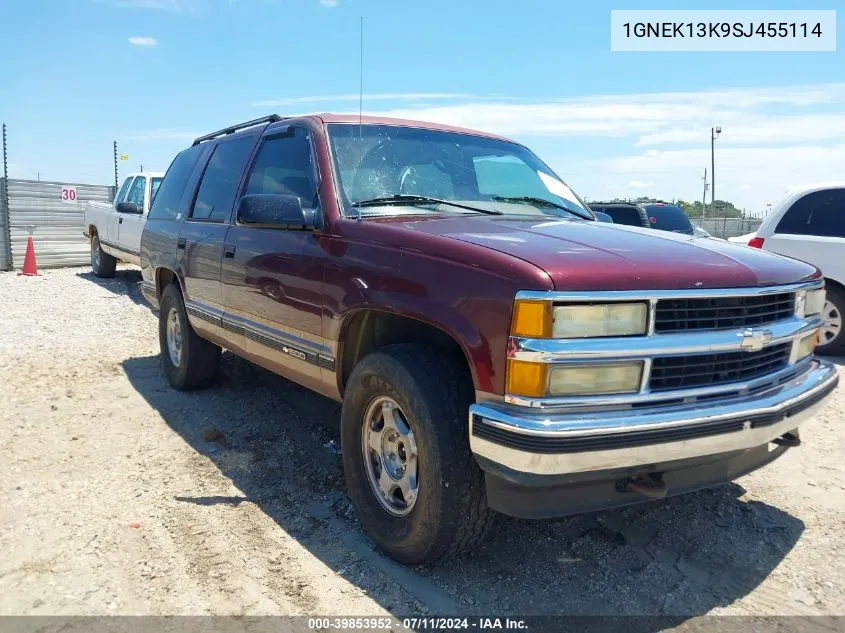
(200, 244)
(813, 230)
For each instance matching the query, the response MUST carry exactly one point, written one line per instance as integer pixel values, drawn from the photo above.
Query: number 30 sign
(68, 193)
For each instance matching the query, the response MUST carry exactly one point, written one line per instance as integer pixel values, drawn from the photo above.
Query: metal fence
(727, 227)
(53, 214)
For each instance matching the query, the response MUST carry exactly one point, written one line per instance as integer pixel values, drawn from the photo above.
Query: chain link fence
(728, 227)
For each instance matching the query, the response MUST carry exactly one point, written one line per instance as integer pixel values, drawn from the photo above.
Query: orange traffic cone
(29, 267)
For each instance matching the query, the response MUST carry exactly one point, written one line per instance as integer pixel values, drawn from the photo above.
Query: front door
(201, 236)
(130, 225)
(273, 279)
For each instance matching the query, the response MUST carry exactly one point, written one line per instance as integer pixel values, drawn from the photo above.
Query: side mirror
(129, 207)
(274, 211)
(602, 217)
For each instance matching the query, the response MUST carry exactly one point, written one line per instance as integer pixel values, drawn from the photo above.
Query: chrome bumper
(560, 442)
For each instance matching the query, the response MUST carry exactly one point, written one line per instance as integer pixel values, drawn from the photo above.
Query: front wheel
(417, 490)
(189, 362)
(831, 338)
(102, 264)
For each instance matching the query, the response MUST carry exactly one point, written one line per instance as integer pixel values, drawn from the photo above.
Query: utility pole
(704, 194)
(714, 134)
(115, 168)
(5, 164)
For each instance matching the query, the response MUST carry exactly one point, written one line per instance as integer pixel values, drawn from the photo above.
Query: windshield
(668, 217)
(374, 162)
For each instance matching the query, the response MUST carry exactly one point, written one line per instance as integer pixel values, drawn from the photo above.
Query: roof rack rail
(270, 118)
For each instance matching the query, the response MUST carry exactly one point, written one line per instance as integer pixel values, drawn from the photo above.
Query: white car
(115, 229)
(742, 239)
(809, 224)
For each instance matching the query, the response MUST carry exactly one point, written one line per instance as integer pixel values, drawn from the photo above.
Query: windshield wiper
(541, 202)
(401, 198)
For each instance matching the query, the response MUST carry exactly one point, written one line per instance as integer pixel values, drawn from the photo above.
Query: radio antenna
(361, 81)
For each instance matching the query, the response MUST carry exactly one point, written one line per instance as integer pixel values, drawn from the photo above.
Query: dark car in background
(653, 215)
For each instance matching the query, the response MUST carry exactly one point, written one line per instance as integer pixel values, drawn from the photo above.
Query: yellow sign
(124, 157)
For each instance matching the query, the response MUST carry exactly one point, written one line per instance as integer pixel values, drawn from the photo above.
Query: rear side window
(668, 217)
(819, 213)
(123, 189)
(622, 215)
(167, 201)
(219, 184)
(154, 185)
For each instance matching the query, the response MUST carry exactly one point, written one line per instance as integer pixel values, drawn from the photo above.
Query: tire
(832, 340)
(198, 361)
(449, 514)
(102, 264)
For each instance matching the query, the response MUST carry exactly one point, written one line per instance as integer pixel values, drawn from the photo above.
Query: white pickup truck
(115, 229)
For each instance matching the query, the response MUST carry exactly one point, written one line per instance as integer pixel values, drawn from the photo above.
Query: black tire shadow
(676, 558)
(125, 282)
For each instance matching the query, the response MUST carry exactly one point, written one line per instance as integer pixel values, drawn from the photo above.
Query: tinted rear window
(818, 213)
(668, 217)
(621, 214)
(167, 201)
(220, 181)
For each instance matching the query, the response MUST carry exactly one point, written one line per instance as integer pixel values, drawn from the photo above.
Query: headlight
(591, 379)
(536, 380)
(612, 319)
(814, 302)
(806, 346)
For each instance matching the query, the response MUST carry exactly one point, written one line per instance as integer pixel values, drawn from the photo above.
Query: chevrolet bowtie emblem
(754, 340)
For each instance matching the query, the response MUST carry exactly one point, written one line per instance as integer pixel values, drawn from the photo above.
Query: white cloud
(383, 96)
(162, 135)
(329, 3)
(771, 138)
(156, 5)
(143, 41)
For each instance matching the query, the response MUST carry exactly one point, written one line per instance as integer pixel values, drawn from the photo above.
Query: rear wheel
(189, 362)
(831, 339)
(417, 490)
(102, 264)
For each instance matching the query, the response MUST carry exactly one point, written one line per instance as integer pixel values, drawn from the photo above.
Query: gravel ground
(123, 496)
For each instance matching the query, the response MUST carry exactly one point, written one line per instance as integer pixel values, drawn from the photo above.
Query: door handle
(180, 243)
(230, 251)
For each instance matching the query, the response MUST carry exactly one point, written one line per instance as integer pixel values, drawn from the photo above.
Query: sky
(154, 74)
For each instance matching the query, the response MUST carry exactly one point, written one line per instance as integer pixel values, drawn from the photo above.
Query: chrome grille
(719, 313)
(704, 370)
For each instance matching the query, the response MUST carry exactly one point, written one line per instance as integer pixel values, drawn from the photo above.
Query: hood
(581, 255)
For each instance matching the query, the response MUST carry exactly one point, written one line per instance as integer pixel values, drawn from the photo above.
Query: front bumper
(527, 442)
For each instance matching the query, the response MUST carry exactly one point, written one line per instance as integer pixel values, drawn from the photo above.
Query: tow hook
(788, 439)
(650, 485)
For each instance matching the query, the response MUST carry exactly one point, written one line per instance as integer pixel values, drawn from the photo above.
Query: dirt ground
(123, 496)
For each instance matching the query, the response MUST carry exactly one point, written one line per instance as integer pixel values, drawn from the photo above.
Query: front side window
(374, 162)
(124, 188)
(219, 184)
(137, 191)
(629, 216)
(819, 213)
(166, 203)
(285, 165)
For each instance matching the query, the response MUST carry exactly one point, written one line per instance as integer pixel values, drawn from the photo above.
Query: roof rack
(270, 118)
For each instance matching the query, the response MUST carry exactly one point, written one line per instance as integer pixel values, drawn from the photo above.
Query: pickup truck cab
(115, 229)
(496, 349)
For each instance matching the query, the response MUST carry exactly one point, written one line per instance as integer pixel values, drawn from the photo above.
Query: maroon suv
(495, 348)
